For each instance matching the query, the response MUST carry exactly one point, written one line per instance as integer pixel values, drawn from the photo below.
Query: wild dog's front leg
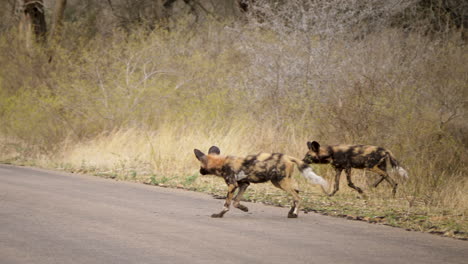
(243, 186)
(350, 183)
(337, 181)
(231, 189)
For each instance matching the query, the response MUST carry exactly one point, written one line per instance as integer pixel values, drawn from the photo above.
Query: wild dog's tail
(310, 175)
(395, 166)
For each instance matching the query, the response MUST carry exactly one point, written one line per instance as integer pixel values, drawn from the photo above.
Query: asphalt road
(55, 217)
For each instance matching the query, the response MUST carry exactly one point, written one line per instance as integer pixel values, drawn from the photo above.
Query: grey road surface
(55, 217)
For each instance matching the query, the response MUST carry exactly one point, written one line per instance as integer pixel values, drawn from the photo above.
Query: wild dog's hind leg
(386, 177)
(243, 186)
(380, 169)
(337, 182)
(350, 183)
(286, 184)
(231, 189)
(393, 183)
(376, 183)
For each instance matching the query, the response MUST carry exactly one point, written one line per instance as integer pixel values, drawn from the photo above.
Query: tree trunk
(32, 21)
(58, 18)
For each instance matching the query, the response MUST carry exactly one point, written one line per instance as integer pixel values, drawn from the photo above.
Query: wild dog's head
(316, 154)
(211, 163)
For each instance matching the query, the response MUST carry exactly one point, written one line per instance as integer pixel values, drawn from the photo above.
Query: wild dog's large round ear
(309, 145)
(315, 146)
(214, 150)
(200, 155)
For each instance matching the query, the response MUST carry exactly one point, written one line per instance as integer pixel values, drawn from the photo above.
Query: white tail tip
(403, 173)
(314, 178)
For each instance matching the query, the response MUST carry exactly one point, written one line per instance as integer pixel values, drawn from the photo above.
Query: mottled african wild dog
(345, 157)
(239, 172)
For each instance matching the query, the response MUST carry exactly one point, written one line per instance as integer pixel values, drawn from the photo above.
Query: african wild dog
(239, 172)
(345, 157)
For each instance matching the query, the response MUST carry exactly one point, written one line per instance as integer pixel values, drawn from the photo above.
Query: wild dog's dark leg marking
(336, 186)
(231, 189)
(350, 183)
(242, 187)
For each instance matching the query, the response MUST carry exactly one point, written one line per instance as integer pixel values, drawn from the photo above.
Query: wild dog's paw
(242, 207)
(217, 215)
(292, 215)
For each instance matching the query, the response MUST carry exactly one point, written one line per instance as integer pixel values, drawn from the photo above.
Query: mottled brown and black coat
(239, 172)
(346, 157)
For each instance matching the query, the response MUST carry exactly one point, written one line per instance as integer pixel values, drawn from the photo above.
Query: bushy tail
(403, 173)
(310, 175)
(396, 167)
